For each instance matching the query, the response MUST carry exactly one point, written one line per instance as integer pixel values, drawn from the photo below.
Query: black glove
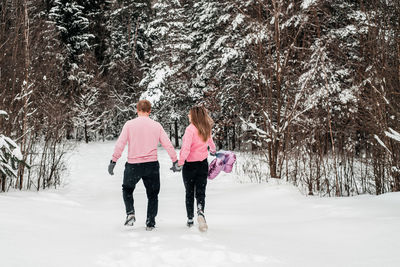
(111, 167)
(175, 167)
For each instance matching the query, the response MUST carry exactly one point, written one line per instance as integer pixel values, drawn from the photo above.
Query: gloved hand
(213, 153)
(111, 167)
(175, 167)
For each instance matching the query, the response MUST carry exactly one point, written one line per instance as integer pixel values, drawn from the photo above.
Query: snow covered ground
(269, 224)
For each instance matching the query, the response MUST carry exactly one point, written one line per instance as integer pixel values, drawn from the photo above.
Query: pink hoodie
(193, 146)
(142, 135)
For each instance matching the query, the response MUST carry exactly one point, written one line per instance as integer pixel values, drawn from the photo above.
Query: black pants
(195, 181)
(149, 172)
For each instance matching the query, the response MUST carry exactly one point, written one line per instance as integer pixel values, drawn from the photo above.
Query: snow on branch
(393, 134)
(307, 3)
(381, 143)
(261, 133)
(10, 153)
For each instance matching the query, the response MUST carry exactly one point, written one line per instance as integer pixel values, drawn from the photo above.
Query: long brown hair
(201, 121)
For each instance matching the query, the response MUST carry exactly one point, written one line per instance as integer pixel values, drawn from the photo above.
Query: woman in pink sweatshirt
(193, 157)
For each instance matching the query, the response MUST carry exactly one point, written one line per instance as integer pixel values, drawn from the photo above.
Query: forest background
(306, 90)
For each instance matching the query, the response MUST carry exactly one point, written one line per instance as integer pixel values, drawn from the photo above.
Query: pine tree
(10, 156)
(168, 80)
(73, 26)
(126, 58)
(86, 119)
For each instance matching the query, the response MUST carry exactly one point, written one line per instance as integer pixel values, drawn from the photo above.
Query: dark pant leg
(200, 184)
(188, 174)
(128, 186)
(151, 182)
(127, 193)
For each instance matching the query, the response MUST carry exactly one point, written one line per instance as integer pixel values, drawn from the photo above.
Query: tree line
(310, 85)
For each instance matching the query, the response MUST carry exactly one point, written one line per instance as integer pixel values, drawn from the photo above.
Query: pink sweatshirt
(193, 146)
(142, 135)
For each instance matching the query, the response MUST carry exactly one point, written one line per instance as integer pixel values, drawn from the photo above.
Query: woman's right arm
(211, 144)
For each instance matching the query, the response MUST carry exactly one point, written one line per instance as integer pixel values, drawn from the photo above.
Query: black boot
(190, 222)
(130, 219)
(150, 224)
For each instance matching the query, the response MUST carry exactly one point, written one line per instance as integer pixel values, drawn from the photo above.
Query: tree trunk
(226, 141)
(86, 134)
(3, 183)
(273, 150)
(233, 137)
(27, 97)
(396, 187)
(176, 134)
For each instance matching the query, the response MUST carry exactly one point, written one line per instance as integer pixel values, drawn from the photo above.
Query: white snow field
(271, 224)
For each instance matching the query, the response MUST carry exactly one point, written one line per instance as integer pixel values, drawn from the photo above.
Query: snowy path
(249, 224)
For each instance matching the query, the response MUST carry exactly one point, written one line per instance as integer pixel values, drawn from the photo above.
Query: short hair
(144, 106)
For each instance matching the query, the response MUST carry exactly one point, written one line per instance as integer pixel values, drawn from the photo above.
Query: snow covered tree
(73, 26)
(86, 120)
(10, 156)
(313, 85)
(31, 91)
(126, 58)
(251, 66)
(379, 97)
(96, 12)
(82, 30)
(167, 80)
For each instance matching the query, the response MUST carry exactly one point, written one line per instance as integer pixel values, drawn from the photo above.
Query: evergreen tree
(126, 58)
(73, 26)
(10, 156)
(168, 80)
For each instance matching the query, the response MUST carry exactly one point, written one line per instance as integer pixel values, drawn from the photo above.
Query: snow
(346, 31)
(224, 18)
(238, 20)
(2, 112)
(229, 54)
(8, 145)
(346, 96)
(393, 134)
(381, 143)
(152, 95)
(268, 224)
(307, 3)
(220, 42)
(159, 77)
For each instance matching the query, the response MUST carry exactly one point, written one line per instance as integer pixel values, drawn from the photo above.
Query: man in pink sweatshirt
(142, 135)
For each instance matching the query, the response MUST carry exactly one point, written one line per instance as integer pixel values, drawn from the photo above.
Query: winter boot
(130, 220)
(150, 224)
(190, 222)
(201, 219)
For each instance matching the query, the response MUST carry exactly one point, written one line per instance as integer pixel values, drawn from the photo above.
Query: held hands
(175, 167)
(111, 167)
